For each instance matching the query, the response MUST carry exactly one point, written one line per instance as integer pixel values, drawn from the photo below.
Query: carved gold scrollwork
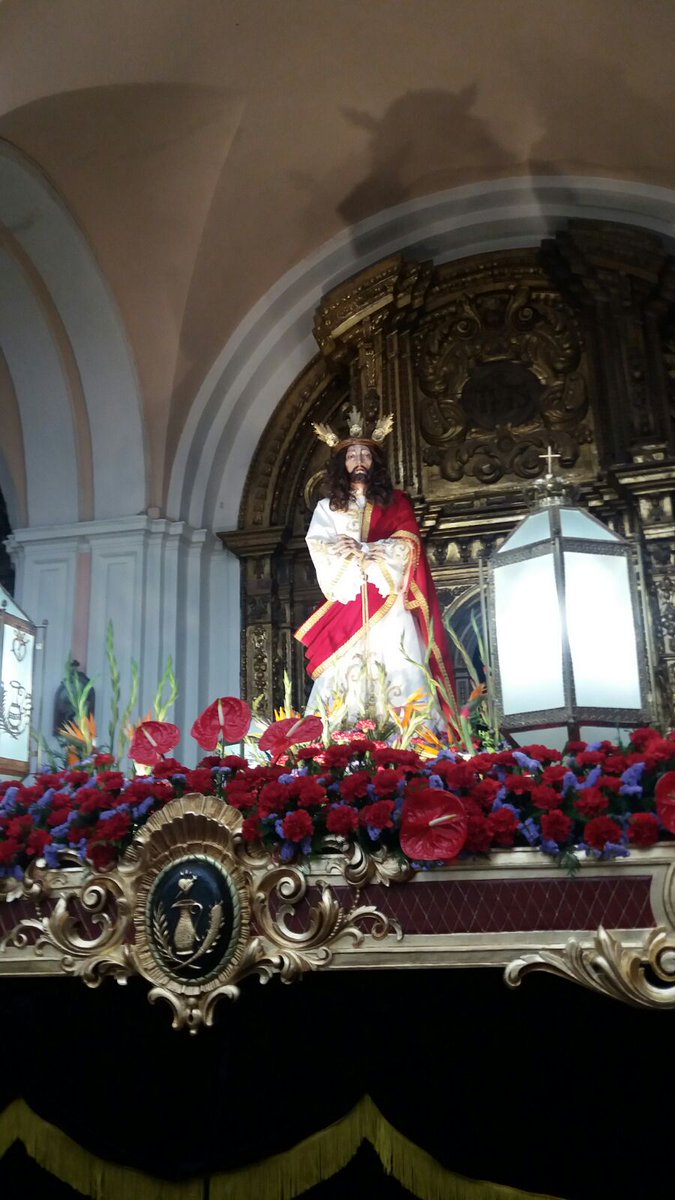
(643, 977)
(326, 923)
(500, 376)
(178, 910)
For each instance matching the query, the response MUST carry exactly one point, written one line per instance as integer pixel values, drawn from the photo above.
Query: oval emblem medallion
(193, 919)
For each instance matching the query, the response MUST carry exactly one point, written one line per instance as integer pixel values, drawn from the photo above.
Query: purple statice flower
(81, 849)
(435, 781)
(631, 780)
(287, 851)
(548, 846)
(525, 762)
(143, 807)
(278, 825)
(590, 780)
(371, 791)
(15, 872)
(373, 832)
(446, 754)
(615, 850)
(60, 831)
(289, 777)
(306, 845)
(42, 804)
(570, 780)
(594, 746)
(8, 802)
(530, 831)
(112, 812)
(503, 791)
(51, 854)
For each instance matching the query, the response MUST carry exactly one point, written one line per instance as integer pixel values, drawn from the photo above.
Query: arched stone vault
(484, 362)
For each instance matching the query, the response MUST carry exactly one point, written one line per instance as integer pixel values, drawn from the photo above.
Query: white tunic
(374, 674)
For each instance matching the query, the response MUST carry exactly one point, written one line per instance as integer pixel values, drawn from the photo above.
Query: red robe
(333, 625)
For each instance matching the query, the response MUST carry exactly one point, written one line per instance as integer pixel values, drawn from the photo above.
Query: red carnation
(643, 829)
(8, 851)
(642, 737)
(591, 802)
(477, 835)
(386, 781)
(297, 826)
(545, 797)
(386, 757)
(307, 791)
(543, 754)
(167, 767)
(151, 742)
(336, 757)
(200, 780)
(274, 798)
(601, 830)
(355, 786)
(554, 774)
(37, 841)
(484, 793)
(252, 829)
(378, 815)
(503, 826)
(226, 720)
(556, 826)
(455, 774)
(112, 829)
(342, 820)
(112, 781)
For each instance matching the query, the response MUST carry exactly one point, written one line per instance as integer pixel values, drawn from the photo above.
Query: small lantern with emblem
(17, 651)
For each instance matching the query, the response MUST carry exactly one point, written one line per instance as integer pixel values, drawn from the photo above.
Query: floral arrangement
(309, 787)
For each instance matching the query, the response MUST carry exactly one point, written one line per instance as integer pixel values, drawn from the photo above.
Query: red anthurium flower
(279, 737)
(665, 800)
(151, 741)
(433, 825)
(227, 718)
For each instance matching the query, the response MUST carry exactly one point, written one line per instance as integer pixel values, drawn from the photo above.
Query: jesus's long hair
(379, 488)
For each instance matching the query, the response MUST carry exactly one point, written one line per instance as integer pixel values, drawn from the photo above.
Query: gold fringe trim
(62, 1157)
(282, 1177)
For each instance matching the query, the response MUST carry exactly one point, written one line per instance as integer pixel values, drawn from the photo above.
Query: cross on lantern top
(549, 456)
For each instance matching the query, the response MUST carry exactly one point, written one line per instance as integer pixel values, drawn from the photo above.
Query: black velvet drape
(549, 1088)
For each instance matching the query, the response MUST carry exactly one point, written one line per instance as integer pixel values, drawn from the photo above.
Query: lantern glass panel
(577, 524)
(601, 631)
(536, 528)
(529, 642)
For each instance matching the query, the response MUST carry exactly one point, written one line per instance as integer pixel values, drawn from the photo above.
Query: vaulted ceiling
(183, 178)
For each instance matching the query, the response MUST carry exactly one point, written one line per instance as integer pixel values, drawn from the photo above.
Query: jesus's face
(358, 462)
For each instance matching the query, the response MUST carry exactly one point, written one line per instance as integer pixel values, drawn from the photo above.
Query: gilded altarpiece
(484, 362)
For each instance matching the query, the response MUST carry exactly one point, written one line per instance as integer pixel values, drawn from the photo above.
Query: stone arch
(76, 391)
(272, 345)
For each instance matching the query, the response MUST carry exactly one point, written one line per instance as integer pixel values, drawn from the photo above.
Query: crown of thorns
(357, 434)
